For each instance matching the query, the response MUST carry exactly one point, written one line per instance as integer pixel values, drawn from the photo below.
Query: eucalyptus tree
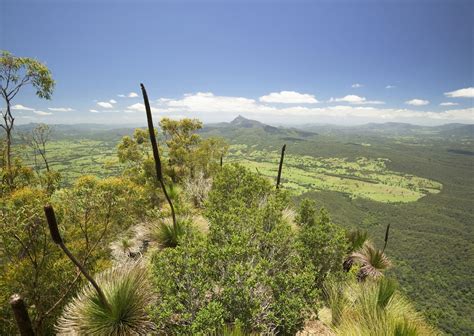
(15, 74)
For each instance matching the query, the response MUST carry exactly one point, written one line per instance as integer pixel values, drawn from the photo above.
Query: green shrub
(248, 269)
(323, 243)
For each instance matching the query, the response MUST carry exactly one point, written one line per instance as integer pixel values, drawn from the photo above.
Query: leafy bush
(324, 243)
(248, 269)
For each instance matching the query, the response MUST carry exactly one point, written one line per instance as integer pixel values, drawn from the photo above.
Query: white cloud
(417, 102)
(461, 93)
(94, 111)
(289, 97)
(356, 85)
(204, 103)
(129, 95)
(60, 109)
(390, 87)
(41, 113)
(105, 104)
(354, 99)
(112, 101)
(22, 107)
(138, 107)
(208, 102)
(448, 104)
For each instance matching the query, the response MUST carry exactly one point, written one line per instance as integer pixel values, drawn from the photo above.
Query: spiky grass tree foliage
(128, 292)
(373, 262)
(356, 238)
(376, 308)
(168, 235)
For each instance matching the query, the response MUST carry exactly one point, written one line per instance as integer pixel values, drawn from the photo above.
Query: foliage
(181, 141)
(188, 154)
(135, 153)
(197, 189)
(168, 235)
(357, 238)
(21, 71)
(377, 308)
(128, 292)
(249, 268)
(16, 73)
(372, 261)
(323, 242)
(91, 213)
(30, 263)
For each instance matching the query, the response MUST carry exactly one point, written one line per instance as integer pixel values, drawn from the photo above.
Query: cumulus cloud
(129, 95)
(105, 104)
(94, 111)
(112, 101)
(138, 107)
(42, 113)
(354, 99)
(207, 102)
(60, 109)
(417, 102)
(289, 97)
(461, 93)
(356, 85)
(22, 107)
(448, 104)
(390, 87)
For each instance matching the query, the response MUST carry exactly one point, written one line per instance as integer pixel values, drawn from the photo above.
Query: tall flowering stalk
(156, 153)
(280, 166)
(56, 236)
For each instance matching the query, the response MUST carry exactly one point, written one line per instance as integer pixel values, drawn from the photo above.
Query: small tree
(16, 73)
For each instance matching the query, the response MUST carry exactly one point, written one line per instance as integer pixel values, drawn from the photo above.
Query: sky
(280, 62)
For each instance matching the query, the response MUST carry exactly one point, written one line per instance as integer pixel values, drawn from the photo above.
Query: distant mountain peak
(239, 119)
(244, 122)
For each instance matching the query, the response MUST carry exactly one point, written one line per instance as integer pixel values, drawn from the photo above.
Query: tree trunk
(9, 120)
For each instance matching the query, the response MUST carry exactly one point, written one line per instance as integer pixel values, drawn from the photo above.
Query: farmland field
(362, 177)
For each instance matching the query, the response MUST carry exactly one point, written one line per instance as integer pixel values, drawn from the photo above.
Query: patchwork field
(364, 177)
(73, 158)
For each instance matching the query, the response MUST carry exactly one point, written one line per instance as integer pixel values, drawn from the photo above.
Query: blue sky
(292, 62)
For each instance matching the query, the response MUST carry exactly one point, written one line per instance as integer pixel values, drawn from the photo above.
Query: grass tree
(377, 308)
(357, 238)
(128, 291)
(373, 262)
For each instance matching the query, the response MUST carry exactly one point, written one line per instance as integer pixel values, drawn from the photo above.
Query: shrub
(323, 243)
(248, 269)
